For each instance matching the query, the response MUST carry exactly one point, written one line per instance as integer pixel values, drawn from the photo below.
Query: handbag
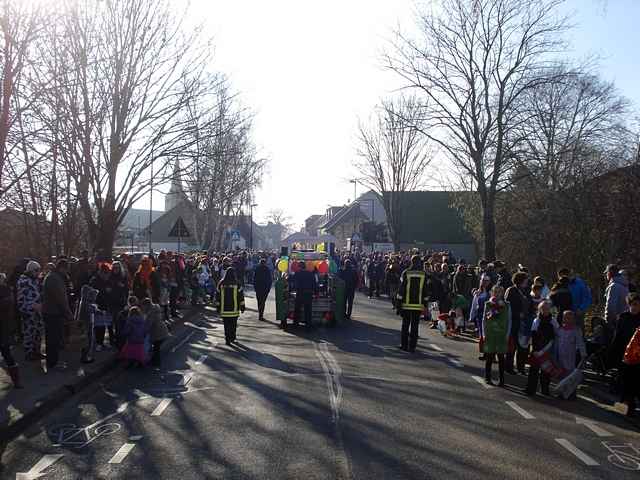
(632, 352)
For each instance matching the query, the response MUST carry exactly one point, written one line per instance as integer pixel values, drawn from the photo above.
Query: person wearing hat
(29, 306)
(411, 300)
(55, 311)
(615, 296)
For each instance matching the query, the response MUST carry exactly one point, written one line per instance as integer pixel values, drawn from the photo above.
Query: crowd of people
(520, 319)
(123, 304)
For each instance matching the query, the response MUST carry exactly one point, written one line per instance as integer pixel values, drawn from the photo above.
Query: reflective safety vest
(411, 294)
(230, 301)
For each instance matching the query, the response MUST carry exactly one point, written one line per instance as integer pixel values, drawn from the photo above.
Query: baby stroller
(597, 347)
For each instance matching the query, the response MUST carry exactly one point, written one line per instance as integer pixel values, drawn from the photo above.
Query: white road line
(36, 471)
(481, 381)
(121, 408)
(456, 363)
(161, 407)
(435, 347)
(182, 342)
(186, 378)
(520, 410)
(135, 438)
(201, 359)
(586, 459)
(593, 426)
(122, 453)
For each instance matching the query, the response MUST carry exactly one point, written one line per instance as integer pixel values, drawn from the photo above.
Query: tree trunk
(489, 228)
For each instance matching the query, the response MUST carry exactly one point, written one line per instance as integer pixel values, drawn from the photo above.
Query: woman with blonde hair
(496, 325)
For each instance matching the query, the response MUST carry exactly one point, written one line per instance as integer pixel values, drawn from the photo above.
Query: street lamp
(251, 224)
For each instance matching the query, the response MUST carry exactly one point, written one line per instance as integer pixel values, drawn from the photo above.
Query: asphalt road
(330, 403)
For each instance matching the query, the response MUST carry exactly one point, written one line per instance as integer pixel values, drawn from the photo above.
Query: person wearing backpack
(135, 331)
(230, 303)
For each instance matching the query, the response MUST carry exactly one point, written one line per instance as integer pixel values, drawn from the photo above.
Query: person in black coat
(521, 311)
(305, 285)
(627, 324)
(561, 298)
(350, 279)
(262, 285)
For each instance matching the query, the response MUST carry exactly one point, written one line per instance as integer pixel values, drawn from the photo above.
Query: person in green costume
(496, 325)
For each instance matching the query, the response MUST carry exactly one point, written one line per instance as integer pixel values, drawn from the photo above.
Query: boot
(501, 371)
(14, 373)
(487, 370)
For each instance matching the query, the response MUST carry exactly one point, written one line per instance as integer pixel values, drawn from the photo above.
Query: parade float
(329, 297)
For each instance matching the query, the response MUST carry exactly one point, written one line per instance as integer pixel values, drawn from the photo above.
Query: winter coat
(477, 308)
(8, 324)
(580, 294)
(350, 278)
(561, 298)
(626, 327)
(54, 295)
(135, 330)
(140, 289)
(262, 280)
(616, 299)
(87, 305)
(543, 333)
(520, 310)
(155, 324)
(496, 328)
(568, 342)
(101, 284)
(28, 294)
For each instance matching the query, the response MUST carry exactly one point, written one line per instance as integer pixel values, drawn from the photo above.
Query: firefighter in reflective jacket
(411, 300)
(229, 303)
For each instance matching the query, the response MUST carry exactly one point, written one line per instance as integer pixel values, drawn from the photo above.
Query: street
(326, 404)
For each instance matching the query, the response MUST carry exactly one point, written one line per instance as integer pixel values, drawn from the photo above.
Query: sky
(310, 70)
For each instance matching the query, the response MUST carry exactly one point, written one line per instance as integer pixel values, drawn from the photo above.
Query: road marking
(456, 363)
(201, 359)
(36, 471)
(161, 407)
(593, 426)
(122, 453)
(520, 410)
(135, 438)
(586, 459)
(182, 342)
(186, 378)
(481, 381)
(435, 347)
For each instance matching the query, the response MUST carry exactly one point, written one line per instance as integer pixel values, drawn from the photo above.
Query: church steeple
(176, 194)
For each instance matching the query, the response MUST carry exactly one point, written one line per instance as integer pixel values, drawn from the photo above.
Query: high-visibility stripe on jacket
(411, 293)
(231, 300)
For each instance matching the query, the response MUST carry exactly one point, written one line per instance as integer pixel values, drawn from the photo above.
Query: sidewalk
(44, 391)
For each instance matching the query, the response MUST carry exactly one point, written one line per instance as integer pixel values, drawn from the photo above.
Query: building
(428, 220)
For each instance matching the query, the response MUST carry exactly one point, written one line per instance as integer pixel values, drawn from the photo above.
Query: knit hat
(32, 266)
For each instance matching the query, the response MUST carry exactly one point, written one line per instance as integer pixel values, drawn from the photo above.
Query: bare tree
(473, 60)
(393, 156)
(278, 217)
(126, 71)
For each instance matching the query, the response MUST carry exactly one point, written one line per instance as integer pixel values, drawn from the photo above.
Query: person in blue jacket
(580, 295)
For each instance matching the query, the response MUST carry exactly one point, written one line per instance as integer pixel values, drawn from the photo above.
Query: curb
(66, 391)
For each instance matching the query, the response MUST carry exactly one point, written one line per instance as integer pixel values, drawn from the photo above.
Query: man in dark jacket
(262, 284)
(521, 312)
(411, 301)
(305, 285)
(55, 310)
(350, 279)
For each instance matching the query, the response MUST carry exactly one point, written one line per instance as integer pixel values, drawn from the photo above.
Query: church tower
(176, 194)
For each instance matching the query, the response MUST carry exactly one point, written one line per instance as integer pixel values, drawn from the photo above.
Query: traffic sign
(235, 236)
(179, 229)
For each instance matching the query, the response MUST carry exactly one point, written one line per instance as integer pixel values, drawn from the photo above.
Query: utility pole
(251, 205)
(151, 197)
(355, 194)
